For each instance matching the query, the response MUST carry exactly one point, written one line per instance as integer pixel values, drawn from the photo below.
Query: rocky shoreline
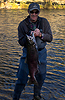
(25, 6)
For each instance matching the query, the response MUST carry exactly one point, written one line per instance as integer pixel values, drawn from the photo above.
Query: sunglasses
(34, 12)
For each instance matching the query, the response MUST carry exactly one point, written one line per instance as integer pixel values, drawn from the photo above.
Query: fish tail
(32, 82)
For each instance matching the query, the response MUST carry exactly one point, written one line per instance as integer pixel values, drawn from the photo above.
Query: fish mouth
(30, 39)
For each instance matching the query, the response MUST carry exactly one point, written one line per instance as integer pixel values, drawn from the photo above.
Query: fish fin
(32, 82)
(25, 60)
(37, 72)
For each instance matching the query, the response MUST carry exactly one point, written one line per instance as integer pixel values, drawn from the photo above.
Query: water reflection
(11, 51)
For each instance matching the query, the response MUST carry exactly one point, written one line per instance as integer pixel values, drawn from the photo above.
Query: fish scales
(32, 59)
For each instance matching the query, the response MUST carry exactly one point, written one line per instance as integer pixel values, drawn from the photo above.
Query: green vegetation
(14, 6)
(22, 5)
(50, 5)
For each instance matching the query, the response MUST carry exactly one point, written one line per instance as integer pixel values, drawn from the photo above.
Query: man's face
(34, 15)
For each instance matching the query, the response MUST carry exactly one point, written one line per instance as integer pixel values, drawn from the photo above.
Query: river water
(11, 51)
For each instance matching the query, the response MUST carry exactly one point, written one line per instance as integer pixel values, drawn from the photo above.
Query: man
(42, 32)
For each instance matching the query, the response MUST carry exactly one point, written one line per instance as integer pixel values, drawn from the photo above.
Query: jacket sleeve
(47, 31)
(21, 36)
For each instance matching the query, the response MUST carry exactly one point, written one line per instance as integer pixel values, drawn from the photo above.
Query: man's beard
(33, 20)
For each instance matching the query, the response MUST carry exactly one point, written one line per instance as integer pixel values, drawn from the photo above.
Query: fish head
(30, 39)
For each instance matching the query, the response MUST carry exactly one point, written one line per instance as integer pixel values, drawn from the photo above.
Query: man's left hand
(37, 32)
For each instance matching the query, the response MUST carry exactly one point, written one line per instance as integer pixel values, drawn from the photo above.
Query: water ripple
(11, 51)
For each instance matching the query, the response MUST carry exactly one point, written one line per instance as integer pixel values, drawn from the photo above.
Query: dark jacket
(42, 24)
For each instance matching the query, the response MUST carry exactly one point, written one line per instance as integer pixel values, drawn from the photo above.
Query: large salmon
(32, 58)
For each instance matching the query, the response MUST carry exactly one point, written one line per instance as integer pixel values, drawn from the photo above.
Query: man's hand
(37, 32)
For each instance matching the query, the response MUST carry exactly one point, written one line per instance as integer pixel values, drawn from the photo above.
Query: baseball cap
(33, 6)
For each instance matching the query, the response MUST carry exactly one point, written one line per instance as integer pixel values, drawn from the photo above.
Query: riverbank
(25, 6)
